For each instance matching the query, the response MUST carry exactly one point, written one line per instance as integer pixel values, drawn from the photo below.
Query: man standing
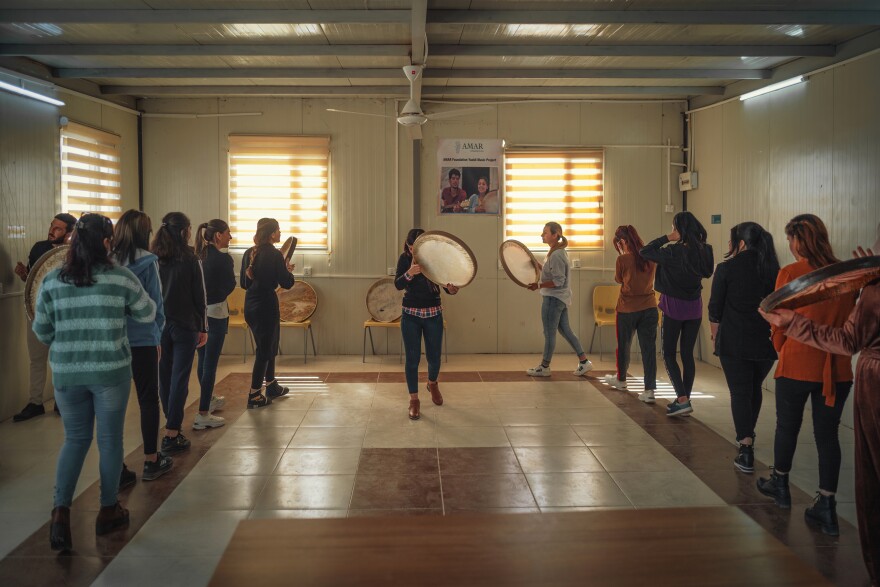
(452, 196)
(59, 231)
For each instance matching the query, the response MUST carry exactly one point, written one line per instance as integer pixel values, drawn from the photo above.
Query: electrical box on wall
(689, 180)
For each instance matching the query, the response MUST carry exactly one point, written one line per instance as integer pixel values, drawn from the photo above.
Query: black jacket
(219, 272)
(270, 272)
(420, 291)
(37, 251)
(736, 292)
(680, 268)
(183, 293)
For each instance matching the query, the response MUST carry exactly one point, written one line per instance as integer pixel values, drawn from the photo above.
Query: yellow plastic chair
(235, 301)
(306, 326)
(604, 311)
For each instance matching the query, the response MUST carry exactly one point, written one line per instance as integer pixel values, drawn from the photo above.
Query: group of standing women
(125, 309)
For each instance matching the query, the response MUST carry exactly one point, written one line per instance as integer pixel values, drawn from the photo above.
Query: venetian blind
(559, 186)
(91, 171)
(281, 177)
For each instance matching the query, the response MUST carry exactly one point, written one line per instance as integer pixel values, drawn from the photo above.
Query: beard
(58, 241)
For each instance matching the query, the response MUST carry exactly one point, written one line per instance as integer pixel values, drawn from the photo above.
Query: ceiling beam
(20, 49)
(480, 17)
(393, 73)
(402, 91)
(418, 39)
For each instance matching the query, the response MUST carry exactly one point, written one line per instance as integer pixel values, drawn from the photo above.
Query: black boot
(59, 529)
(823, 513)
(777, 488)
(745, 460)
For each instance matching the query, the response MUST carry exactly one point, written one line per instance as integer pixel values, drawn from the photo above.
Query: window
(282, 177)
(91, 171)
(565, 187)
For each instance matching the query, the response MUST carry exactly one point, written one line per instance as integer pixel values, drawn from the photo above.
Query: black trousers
(145, 373)
(791, 398)
(744, 379)
(266, 337)
(681, 334)
(644, 324)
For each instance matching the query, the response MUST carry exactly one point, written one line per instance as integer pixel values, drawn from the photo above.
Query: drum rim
(29, 283)
(308, 285)
(456, 240)
(514, 242)
(373, 286)
(286, 249)
(808, 280)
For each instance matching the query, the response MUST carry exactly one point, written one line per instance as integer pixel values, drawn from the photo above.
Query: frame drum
(288, 248)
(825, 283)
(50, 260)
(519, 263)
(384, 300)
(298, 303)
(445, 258)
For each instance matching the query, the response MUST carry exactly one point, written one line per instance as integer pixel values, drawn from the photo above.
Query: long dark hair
(266, 227)
(87, 251)
(759, 240)
(812, 236)
(411, 237)
(629, 235)
(169, 243)
(205, 234)
(689, 229)
(132, 233)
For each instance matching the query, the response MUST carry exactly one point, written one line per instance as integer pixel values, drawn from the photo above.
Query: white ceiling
(490, 49)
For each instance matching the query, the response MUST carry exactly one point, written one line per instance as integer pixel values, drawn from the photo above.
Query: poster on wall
(470, 176)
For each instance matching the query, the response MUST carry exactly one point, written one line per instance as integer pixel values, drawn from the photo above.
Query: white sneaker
(539, 371)
(201, 422)
(613, 381)
(217, 402)
(583, 368)
(647, 396)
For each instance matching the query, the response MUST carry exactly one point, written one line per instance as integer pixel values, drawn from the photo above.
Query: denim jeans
(178, 348)
(681, 333)
(745, 380)
(81, 406)
(554, 316)
(412, 328)
(209, 356)
(643, 323)
(791, 397)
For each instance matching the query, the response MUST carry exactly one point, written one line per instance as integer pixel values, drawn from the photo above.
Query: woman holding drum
(422, 318)
(555, 287)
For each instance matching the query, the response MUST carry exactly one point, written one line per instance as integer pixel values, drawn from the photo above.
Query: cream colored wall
(811, 148)
(29, 197)
(185, 169)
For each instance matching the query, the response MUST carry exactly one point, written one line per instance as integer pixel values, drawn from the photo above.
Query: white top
(557, 269)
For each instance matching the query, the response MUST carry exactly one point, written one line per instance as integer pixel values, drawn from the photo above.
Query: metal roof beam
(401, 91)
(209, 16)
(385, 73)
(208, 50)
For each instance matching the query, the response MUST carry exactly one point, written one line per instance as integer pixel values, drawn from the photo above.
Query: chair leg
(305, 346)
(364, 353)
(600, 343)
(372, 346)
(592, 338)
(312, 336)
(244, 337)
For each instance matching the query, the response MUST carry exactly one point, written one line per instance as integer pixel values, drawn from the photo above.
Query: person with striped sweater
(81, 316)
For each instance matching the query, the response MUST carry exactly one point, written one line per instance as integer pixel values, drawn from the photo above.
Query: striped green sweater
(84, 327)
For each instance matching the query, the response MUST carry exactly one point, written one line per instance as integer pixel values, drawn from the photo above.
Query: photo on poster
(470, 176)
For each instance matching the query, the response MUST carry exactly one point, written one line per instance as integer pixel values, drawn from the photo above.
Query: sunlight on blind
(286, 178)
(91, 171)
(564, 187)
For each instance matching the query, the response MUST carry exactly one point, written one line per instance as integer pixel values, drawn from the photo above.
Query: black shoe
(274, 390)
(111, 517)
(745, 460)
(57, 411)
(777, 488)
(823, 513)
(126, 479)
(258, 400)
(154, 470)
(29, 411)
(177, 444)
(59, 530)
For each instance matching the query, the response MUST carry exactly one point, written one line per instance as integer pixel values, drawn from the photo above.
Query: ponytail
(169, 243)
(812, 237)
(634, 244)
(758, 240)
(87, 250)
(205, 234)
(556, 228)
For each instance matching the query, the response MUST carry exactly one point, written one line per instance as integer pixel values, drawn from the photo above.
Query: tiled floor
(341, 445)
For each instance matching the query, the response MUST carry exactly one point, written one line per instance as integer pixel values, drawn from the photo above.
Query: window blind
(91, 171)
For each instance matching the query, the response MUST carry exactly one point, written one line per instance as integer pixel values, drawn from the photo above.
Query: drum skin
(824, 283)
(444, 258)
(519, 263)
(298, 303)
(288, 247)
(384, 300)
(50, 260)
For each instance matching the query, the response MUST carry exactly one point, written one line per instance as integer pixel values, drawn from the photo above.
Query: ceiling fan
(411, 115)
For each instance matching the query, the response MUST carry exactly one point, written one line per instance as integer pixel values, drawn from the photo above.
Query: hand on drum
(414, 269)
(21, 271)
(290, 267)
(534, 286)
(859, 252)
(779, 318)
(451, 289)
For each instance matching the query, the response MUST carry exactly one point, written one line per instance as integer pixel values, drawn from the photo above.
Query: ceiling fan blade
(415, 132)
(358, 113)
(456, 113)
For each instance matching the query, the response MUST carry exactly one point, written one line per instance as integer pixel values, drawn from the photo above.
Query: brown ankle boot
(111, 518)
(414, 406)
(434, 389)
(59, 530)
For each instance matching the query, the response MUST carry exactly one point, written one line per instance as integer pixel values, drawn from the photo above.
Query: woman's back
(636, 285)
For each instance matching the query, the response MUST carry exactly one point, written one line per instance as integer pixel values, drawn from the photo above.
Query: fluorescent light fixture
(773, 88)
(30, 94)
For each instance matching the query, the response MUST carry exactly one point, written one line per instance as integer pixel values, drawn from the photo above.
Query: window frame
(77, 135)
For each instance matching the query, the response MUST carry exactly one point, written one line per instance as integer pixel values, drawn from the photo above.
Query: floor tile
(396, 491)
(239, 461)
(195, 532)
(558, 459)
(274, 437)
(486, 491)
(665, 489)
(461, 436)
(318, 461)
(398, 461)
(200, 493)
(478, 461)
(419, 435)
(532, 416)
(270, 417)
(542, 436)
(293, 514)
(328, 437)
(346, 417)
(454, 414)
(321, 492)
(609, 435)
(637, 458)
(575, 489)
(136, 571)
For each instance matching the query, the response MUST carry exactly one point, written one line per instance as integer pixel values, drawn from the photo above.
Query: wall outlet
(670, 208)
(307, 271)
(576, 263)
(390, 270)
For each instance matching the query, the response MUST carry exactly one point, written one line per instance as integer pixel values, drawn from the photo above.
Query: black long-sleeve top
(681, 268)
(183, 293)
(219, 270)
(737, 290)
(420, 291)
(270, 272)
